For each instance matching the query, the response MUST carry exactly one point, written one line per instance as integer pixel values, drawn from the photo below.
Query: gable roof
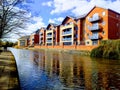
(102, 8)
(24, 37)
(67, 18)
(55, 25)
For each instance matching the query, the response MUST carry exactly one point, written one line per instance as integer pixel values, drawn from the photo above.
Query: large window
(95, 42)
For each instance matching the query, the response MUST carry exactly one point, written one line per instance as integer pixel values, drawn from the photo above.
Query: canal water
(52, 70)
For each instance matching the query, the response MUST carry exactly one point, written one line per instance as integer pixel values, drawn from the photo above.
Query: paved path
(8, 72)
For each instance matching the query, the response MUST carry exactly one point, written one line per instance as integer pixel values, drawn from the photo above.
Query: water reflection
(52, 70)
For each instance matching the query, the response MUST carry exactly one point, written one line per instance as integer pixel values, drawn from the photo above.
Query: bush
(107, 49)
(97, 52)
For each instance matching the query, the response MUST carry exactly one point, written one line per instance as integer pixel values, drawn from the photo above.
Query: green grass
(108, 49)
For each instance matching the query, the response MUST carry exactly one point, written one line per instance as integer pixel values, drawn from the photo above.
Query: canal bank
(9, 79)
(80, 52)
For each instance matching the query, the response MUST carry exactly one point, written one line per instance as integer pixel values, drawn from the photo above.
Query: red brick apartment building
(34, 38)
(84, 31)
(42, 36)
(101, 24)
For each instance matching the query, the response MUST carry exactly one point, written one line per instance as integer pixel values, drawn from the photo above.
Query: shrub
(107, 49)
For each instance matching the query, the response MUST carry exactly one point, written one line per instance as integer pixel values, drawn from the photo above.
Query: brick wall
(73, 47)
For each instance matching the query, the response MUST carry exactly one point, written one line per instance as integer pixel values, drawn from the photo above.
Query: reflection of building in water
(51, 63)
(108, 76)
(36, 57)
(42, 60)
(66, 69)
(87, 63)
(56, 63)
(78, 72)
(79, 78)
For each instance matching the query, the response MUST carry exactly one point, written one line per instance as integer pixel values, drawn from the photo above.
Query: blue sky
(43, 12)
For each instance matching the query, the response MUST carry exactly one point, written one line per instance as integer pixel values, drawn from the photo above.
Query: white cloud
(47, 3)
(38, 23)
(56, 20)
(78, 7)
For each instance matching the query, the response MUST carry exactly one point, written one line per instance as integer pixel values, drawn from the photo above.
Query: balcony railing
(94, 18)
(66, 39)
(66, 32)
(95, 36)
(49, 40)
(94, 27)
(49, 35)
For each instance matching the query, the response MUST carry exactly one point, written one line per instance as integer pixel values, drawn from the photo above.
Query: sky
(43, 12)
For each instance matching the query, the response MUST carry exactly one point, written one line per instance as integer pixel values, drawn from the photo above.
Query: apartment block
(42, 36)
(85, 31)
(51, 34)
(34, 38)
(23, 41)
(68, 31)
(101, 24)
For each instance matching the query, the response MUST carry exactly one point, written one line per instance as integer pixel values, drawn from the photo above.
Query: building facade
(34, 38)
(52, 34)
(23, 41)
(101, 24)
(42, 36)
(86, 30)
(68, 31)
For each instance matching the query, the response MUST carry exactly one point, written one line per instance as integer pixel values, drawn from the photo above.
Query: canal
(52, 70)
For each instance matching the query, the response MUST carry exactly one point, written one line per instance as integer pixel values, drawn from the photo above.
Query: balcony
(94, 18)
(95, 37)
(50, 41)
(94, 27)
(66, 39)
(67, 32)
(49, 36)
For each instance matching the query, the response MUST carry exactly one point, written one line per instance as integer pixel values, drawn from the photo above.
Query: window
(103, 23)
(87, 42)
(95, 15)
(103, 13)
(95, 42)
(117, 16)
(103, 32)
(88, 34)
(117, 24)
(76, 28)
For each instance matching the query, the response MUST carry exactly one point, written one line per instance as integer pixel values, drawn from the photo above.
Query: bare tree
(12, 18)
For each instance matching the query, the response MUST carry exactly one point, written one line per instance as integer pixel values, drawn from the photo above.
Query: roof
(55, 25)
(24, 37)
(68, 17)
(103, 8)
(82, 16)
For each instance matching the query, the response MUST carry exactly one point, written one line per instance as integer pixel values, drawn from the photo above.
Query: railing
(94, 27)
(67, 32)
(49, 35)
(94, 18)
(95, 36)
(49, 40)
(66, 39)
